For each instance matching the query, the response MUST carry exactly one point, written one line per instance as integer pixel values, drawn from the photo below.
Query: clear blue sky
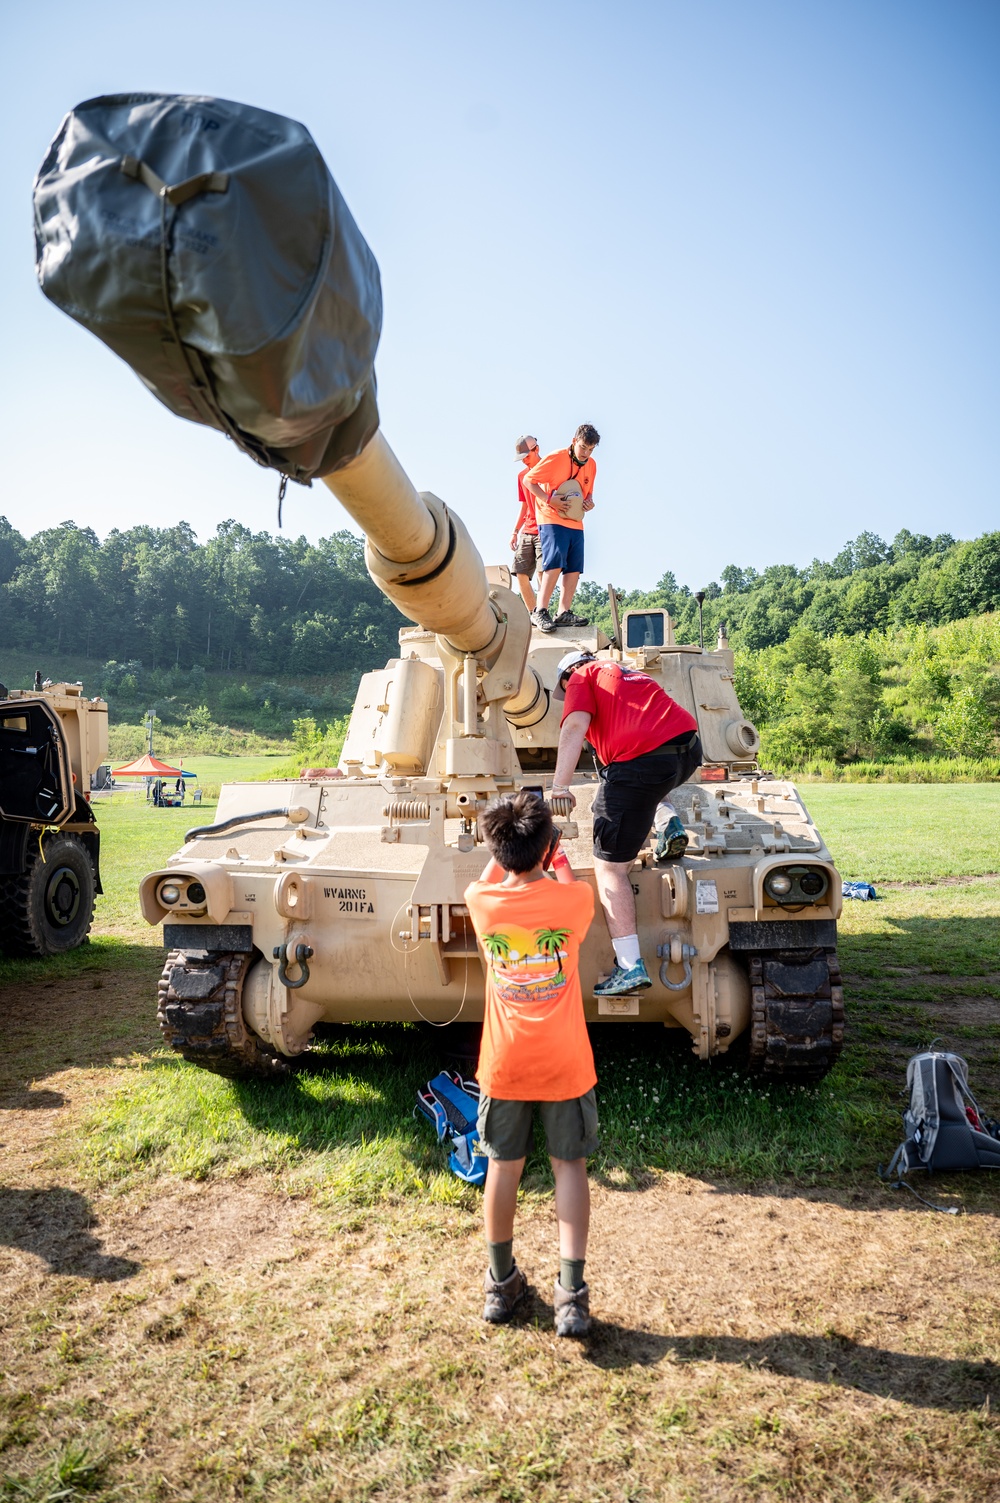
(754, 241)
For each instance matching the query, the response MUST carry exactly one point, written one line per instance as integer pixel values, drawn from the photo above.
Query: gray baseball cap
(566, 662)
(524, 446)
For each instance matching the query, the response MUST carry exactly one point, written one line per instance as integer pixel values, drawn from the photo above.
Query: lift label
(352, 902)
(706, 897)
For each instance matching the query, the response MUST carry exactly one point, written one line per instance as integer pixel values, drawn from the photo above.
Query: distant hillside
(888, 654)
(869, 586)
(243, 601)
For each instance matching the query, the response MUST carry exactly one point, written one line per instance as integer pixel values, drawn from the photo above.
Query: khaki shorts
(527, 554)
(505, 1129)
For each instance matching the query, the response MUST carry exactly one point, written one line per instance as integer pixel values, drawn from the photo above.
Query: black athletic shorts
(630, 791)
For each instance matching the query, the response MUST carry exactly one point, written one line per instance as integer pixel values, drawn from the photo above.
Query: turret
(207, 243)
(420, 555)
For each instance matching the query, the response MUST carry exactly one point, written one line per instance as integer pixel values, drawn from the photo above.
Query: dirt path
(770, 1344)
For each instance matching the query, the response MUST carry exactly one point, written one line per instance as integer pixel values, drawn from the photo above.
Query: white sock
(627, 951)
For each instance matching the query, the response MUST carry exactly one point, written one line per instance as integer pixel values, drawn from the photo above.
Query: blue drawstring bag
(451, 1105)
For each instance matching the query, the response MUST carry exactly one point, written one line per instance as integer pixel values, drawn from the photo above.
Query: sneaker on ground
(621, 982)
(502, 1299)
(567, 618)
(672, 841)
(572, 1310)
(543, 620)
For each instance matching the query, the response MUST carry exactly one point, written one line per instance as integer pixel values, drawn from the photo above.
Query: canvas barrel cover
(208, 245)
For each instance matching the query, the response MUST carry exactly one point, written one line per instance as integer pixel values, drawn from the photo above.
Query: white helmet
(566, 662)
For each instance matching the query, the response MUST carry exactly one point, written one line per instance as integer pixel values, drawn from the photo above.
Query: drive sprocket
(200, 1013)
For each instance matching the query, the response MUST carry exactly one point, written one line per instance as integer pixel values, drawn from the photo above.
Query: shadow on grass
(930, 1382)
(103, 955)
(357, 1085)
(76, 1010)
(55, 1224)
(32, 1101)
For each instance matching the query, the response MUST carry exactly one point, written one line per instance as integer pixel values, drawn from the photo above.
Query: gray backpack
(207, 244)
(943, 1126)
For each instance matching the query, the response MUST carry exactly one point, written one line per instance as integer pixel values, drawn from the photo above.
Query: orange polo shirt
(550, 473)
(535, 1045)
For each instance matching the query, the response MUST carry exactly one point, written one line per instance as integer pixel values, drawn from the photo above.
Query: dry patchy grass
(216, 1341)
(176, 1323)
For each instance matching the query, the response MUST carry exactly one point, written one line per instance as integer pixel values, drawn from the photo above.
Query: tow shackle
(303, 954)
(676, 953)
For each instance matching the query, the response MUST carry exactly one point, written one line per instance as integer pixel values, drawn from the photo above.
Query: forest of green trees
(888, 653)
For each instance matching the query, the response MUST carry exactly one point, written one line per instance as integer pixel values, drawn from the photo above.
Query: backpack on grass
(943, 1126)
(451, 1105)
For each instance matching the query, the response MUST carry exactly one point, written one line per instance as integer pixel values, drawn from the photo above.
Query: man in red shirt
(645, 744)
(524, 542)
(560, 522)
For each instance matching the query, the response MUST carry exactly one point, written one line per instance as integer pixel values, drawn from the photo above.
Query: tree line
(887, 651)
(869, 586)
(242, 601)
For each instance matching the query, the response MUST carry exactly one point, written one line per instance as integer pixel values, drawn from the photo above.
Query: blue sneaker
(672, 842)
(621, 982)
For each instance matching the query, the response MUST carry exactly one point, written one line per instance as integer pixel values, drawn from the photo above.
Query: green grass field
(216, 1292)
(345, 1123)
(899, 832)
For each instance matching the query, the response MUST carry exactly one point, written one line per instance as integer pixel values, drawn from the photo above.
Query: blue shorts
(562, 547)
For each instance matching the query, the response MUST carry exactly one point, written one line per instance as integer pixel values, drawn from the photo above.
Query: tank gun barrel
(419, 552)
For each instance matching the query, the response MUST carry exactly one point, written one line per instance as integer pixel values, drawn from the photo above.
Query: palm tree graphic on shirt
(497, 946)
(550, 942)
(526, 962)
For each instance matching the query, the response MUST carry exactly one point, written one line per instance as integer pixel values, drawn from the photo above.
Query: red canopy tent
(146, 767)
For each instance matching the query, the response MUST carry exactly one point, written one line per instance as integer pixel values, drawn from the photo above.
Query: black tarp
(208, 245)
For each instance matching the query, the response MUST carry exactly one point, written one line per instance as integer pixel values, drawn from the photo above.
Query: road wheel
(49, 908)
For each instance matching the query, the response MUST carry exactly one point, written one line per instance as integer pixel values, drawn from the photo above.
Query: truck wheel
(50, 907)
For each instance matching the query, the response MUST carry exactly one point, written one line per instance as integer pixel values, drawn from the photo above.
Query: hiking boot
(543, 620)
(567, 618)
(502, 1299)
(671, 842)
(621, 982)
(572, 1310)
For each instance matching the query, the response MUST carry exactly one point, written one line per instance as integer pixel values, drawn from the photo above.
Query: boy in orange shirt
(560, 533)
(535, 1048)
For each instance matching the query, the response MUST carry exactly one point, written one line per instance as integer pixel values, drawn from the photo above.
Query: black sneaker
(543, 620)
(567, 618)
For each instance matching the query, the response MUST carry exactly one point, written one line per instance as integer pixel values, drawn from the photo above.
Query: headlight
(169, 893)
(195, 893)
(797, 884)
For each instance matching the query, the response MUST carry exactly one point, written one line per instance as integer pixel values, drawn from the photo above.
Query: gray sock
(571, 1272)
(501, 1255)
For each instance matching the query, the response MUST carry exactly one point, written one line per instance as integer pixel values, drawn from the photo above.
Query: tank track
(200, 1013)
(797, 1014)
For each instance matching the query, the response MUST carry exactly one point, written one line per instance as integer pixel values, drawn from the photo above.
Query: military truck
(52, 739)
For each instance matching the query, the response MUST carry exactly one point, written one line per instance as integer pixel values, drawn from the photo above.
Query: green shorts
(505, 1130)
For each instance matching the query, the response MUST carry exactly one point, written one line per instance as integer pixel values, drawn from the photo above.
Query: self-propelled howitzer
(339, 897)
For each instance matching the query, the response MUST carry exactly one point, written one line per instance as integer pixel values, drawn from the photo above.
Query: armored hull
(350, 905)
